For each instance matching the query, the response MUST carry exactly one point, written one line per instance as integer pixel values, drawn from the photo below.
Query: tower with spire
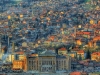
(13, 47)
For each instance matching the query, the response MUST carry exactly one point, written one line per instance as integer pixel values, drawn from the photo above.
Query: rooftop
(47, 53)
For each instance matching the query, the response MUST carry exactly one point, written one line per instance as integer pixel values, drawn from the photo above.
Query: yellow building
(90, 44)
(80, 52)
(9, 17)
(16, 56)
(78, 42)
(20, 64)
(11, 57)
(95, 56)
(91, 21)
(62, 51)
(72, 54)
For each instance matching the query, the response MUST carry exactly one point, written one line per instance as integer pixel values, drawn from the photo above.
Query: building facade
(48, 62)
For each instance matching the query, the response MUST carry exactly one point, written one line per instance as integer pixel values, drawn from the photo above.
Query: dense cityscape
(49, 37)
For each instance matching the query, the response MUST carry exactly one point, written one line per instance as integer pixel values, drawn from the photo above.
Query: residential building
(62, 51)
(95, 56)
(72, 54)
(16, 56)
(19, 64)
(78, 42)
(81, 54)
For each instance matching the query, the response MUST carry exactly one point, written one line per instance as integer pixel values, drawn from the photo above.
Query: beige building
(62, 51)
(48, 62)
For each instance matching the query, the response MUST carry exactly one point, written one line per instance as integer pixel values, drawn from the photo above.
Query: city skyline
(44, 37)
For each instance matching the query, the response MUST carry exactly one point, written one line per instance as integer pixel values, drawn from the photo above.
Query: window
(43, 62)
(64, 62)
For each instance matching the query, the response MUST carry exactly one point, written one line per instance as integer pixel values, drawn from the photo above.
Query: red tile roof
(75, 73)
(96, 38)
(80, 51)
(20, 52)
(52, 38)
(96, 53)
(83, 33)
(62, 49)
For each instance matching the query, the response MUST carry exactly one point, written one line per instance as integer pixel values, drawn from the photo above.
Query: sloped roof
(47, 53)
(62, 49)
(75, 73)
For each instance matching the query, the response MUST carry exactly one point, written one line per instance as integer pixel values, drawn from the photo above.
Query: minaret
(8, 40)
(13, 47)
(0, 45)
(0, 49)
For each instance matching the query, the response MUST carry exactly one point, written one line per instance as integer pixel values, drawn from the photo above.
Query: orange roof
(52, 37)
(86, 33)
(20, 52)
(76, 49)
(81, 33)
(6, 27)
(96, 53)
(75, 73)
(48, 18)
(62, 49)
(96, 38)
(73, 34)
(80, 51)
